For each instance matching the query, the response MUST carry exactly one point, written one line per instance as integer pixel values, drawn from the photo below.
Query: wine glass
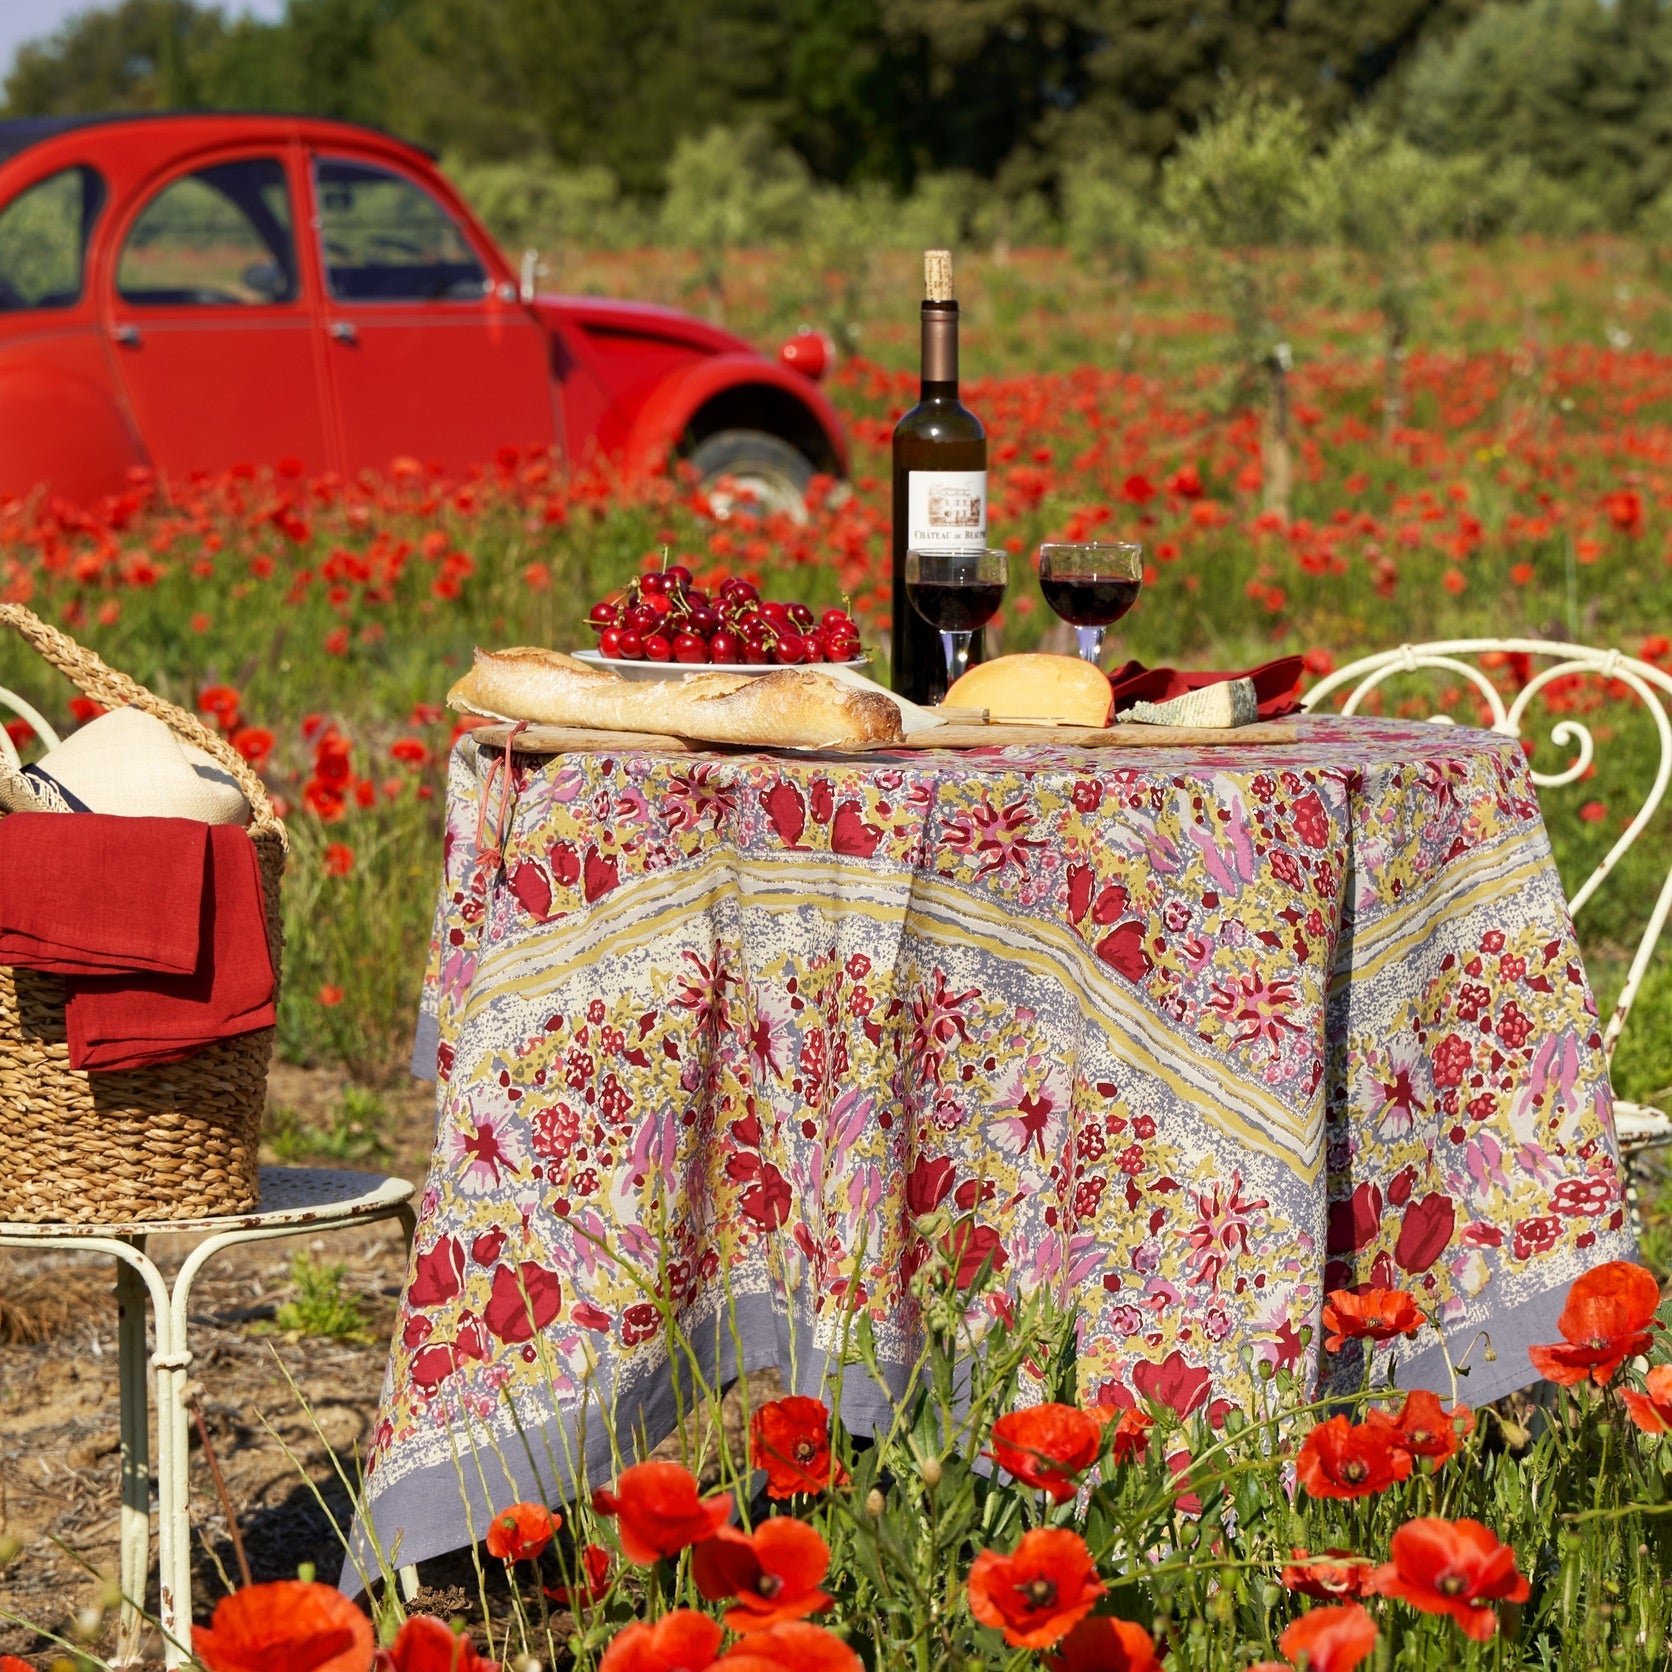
(1091, 586)
(956, 592)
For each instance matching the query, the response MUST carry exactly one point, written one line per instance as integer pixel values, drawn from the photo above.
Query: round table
(1187, 1037)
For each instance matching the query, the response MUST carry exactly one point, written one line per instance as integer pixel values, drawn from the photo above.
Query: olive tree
(1110, 227)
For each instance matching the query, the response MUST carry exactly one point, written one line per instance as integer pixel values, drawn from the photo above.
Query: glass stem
(957, 646)
(1091, 644)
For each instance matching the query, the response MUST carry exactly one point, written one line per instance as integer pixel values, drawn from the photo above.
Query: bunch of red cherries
(662, 617)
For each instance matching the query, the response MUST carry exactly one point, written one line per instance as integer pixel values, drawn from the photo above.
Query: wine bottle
(940, 485)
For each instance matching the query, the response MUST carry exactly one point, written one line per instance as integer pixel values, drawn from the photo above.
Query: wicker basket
(174, 1142)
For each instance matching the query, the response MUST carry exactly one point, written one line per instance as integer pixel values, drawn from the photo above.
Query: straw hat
(129, 763)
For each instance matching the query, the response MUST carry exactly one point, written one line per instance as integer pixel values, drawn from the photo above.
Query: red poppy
(1607, 1319)
(1101, 1644)
(1037, 1593)
(10, 1663)
(1451, 1567)
(683, 1641)
(1341, 1460)
(1652, 1411)
(773, 1573)
(790, 1439)
(521, 1532)
(1428, 1429)
(254, 743)
(1131, 1437)
(594, 1580)
(426, 1645)
(1047, 1446)
(1369, 1315)
(1332, 1639)
(658, 1512)
(339, 859)
(1335, 1574)
(287, 1626)
(794, 1645)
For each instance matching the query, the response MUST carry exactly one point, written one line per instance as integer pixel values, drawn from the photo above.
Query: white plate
(678, 670)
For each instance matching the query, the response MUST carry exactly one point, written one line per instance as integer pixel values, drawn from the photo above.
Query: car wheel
(742, 469)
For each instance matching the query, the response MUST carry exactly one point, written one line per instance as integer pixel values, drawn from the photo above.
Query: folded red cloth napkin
(136, 1021)
(87, 894)
(1276, 685)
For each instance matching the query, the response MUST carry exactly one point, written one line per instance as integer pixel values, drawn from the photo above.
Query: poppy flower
(339, 859)
(1371, 1315)
(790, 1439)
(594, 1580)
(1047, 1446)
(1428, 1429)
(1341, 1460)
(1131, 1437)
(683, 1641)
(773, 1573)
(521, 1532)
(1037, 1593)
(1335, 1574)
(287, 1626)
(1607, 1319)
(658, 1512)
(1451, 1567)
(1101, 1644)
(796, 1644)
(1332, 1639)
(426, 1645)
(1652, 1411)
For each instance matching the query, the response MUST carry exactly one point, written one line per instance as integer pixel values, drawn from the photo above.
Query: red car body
(186, 293)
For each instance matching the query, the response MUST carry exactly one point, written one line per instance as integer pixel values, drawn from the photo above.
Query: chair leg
(136, 1461)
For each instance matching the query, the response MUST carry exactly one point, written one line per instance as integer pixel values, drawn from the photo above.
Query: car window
(387, 240)
(221, 237)
(43, 240)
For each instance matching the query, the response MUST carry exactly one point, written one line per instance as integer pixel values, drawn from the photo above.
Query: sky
(27, 20)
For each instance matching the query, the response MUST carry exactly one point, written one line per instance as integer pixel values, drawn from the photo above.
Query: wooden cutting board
(571, 740)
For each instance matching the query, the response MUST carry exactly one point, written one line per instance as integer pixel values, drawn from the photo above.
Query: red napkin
(1276, 685)
(89, 894)
(136, 1021)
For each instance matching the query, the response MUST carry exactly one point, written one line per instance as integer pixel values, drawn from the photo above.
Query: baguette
(788, 708)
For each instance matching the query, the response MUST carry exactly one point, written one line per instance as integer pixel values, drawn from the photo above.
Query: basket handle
(96, 679)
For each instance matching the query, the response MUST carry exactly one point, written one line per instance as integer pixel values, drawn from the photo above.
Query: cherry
(657, 649)
(814, 651)
(734, 586)
(629, 646)
(659, 602)
(836, 618)
(704, 621)
(775, 611)
(725, 647)
(791, 648)
(652, 584)
(842, 650)
(609, 642)
(678, 574)
(602, 615)
(642, 619)
(687, 647)
(756, 654)
(800, 615)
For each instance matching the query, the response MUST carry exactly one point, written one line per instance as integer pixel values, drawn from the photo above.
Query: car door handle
(127, 335)
(343, 332)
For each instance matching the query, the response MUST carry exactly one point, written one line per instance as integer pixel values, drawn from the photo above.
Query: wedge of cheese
(1035, 687)
(1232, 702)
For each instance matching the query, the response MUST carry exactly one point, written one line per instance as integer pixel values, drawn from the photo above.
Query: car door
(430, 358)
(213, 337)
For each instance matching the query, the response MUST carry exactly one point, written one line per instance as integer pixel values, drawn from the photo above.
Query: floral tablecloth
(1188, 1037)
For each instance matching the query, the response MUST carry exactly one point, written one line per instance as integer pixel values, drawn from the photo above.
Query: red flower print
(521, 1532)
(1607, 1319)
(1102, 1644)
(1453, 1058)
(1428, 1429)
(790, 1439)
(1451, 1567)
(1332, 1639)
(1537, 1235)
(1122, 949)
(426, 1645)
(1369, 1315)
(786, 809)
(683, 1641)
(287, 1626)
(658, 1512)
(1342, 1460)
(533, 890)
(968, 1246)
(850, 834)
(1311, 821)
(523, 1301)
(1514, 1026)
(773, 1573)
(488, 1247)
(599, 875)
(438, 1275)
(927, 1185)
(1425, 1232)
(594, 1577)
(1175, 1382)
(1353, 1224)
(1586, 1198)
(1039, 1592)
(1652, 1410)
(1329, 1577)
(1047, 1446)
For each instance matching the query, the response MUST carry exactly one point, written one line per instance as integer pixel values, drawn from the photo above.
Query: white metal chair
(1639, 1126)
(295, 1201)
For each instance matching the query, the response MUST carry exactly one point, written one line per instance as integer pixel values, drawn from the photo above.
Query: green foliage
(321, 1306)
(357, 1131)
(531, 202)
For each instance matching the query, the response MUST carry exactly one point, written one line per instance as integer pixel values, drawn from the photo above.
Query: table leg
(136, 1461)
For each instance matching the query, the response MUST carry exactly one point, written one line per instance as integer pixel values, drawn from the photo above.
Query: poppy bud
(930, 1470)
(874, 1504)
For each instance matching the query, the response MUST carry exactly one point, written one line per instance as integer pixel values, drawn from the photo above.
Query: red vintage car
(190, 292)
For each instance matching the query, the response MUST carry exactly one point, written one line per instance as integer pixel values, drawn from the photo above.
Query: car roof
(18, 133)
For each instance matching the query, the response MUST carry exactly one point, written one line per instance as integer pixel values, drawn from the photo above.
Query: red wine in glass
(956, 593)
(1091, 586)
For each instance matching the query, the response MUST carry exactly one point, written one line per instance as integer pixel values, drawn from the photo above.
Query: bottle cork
(937, 275)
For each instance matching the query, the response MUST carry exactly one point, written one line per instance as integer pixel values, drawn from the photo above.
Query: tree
(138, 55)
(1235, 187)
(1110, 225)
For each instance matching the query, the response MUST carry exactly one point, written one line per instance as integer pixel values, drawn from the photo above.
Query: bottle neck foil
(940, 345)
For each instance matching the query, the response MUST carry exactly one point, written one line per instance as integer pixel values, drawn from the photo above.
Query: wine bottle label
(946, 510)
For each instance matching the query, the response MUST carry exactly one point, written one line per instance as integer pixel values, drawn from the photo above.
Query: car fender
(669, 411)
(63, 432)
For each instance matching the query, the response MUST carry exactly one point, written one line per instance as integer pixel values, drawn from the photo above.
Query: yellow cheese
(1035, 687)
